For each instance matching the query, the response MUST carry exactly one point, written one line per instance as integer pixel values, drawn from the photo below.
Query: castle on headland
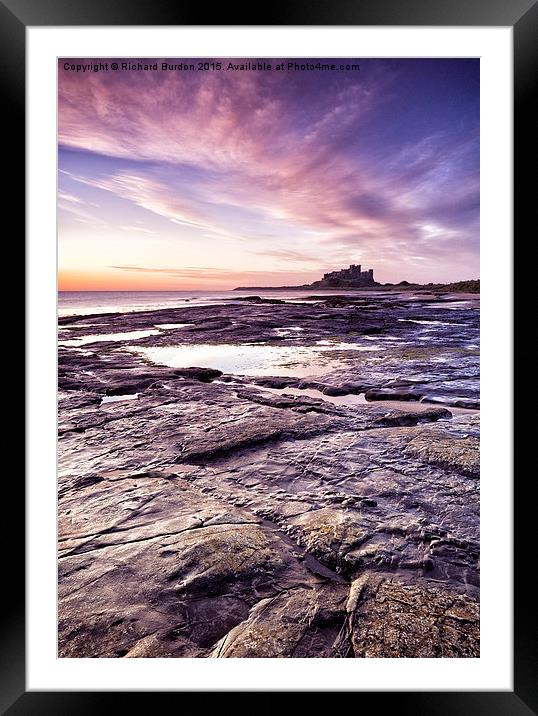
(354, 273)
(352, 277)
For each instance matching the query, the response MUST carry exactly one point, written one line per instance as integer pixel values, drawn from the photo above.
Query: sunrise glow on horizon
(179, 180)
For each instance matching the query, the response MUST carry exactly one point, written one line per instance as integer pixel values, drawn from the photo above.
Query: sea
(83, 303)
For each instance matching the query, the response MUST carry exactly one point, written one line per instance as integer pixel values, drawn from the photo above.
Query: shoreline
(222, 298)
(236, 478)
(456, 287)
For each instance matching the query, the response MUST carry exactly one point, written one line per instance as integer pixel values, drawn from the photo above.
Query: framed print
(268, 267)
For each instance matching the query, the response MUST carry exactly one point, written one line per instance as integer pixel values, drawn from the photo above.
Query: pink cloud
(228, 127)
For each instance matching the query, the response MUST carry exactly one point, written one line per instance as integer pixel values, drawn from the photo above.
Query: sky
(215, 179)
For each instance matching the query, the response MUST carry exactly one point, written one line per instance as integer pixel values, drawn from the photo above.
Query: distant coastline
(468, 286)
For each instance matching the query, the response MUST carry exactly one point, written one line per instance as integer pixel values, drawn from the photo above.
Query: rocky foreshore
(323, 505)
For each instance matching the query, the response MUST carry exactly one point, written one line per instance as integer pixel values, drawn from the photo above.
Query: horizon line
(261, 288)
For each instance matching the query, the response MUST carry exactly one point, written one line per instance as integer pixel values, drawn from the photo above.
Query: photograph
(268, 357)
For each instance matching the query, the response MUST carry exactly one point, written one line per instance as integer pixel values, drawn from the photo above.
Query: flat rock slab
(461, 453)
(389, 618)
(170, 573)
(204, 514)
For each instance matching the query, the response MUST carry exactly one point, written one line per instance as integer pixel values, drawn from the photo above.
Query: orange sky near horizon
(100, 280)
(110, 280)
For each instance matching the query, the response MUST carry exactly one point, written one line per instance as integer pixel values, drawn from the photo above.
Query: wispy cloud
(256, 158)
(211, 274)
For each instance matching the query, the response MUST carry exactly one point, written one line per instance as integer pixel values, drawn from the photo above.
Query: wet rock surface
(205, 511)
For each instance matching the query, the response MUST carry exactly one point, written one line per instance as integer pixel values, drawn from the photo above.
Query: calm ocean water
(74, 303)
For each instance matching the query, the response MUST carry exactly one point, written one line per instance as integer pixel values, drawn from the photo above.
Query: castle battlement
(352, 277)
(354, 273)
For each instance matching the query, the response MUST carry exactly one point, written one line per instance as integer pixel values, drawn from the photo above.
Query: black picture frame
(522, 15)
